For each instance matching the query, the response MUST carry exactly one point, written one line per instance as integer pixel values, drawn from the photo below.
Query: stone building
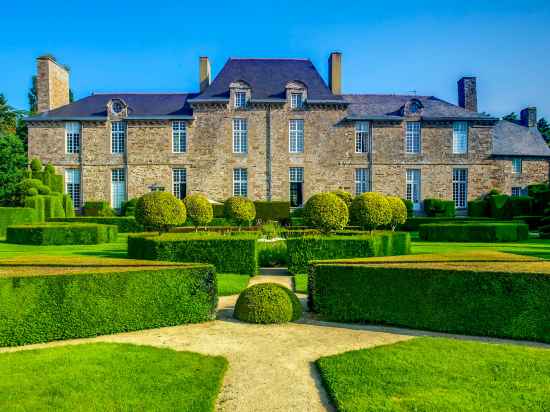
(273, 129)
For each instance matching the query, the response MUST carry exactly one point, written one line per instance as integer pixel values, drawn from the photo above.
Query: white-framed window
(296, 101)
(240, 182)
(296, 187)
(517, 191)
(179, 183)
(240, 100)
(240, 136)
(72, 186)
(118, 137)
(460, 188)
(118, 188)
(296, 136)
(412, 137)
(179, 136)
(517, 166)
(362, 139)
(362, 181)
(72, 137)
(412, 189)
(460, 137)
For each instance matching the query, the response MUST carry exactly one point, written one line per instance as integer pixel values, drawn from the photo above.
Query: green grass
(231, 284)
(300, 283)
(109, 377)
(435, 374)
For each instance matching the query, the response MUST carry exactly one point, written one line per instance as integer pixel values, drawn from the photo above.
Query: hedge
(38, 203)
(219, 210)
(16, 216)
(274, 210)
(439, 208)
(474, 232)
(412, 224)
(302, 250)
(53, 307)
(53, 206)
(235, 253)
(470, 299)
(61, 234)
(498, 206)
(97, 208)
(478, 208)
(532, 221)
(125, 224)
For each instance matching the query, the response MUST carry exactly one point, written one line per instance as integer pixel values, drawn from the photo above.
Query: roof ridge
(387, 94)
(271, 58)
(137, 93)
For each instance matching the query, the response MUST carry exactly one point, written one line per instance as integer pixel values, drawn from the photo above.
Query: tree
(33, 97)
(13, 162)
(398, 211)
(160, 211)
(512, 117)
(8, 116)
(544, 129)
(199, 209)
(240, 209)
(326, 212)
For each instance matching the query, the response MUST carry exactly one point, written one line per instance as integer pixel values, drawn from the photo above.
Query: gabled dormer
(296, 94)
(117, 109)
(240, 94)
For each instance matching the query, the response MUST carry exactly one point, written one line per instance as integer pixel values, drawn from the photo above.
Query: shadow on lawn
(119, 254)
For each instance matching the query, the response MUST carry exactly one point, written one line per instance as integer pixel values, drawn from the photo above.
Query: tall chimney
(529, 117)
(204, 73)
(467, 93)
(52, 84)
(335, 73)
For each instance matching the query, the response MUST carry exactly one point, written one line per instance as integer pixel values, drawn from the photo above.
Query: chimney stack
(204, 73)
(52, 84)
(335, 73)
(529, 117)
(467, 93)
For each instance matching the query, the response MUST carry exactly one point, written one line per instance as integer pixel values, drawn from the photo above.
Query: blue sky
(388, 47)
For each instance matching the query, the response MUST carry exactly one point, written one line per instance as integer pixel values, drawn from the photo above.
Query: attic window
(414, 107)
(240, 100)
(117, 107)
(296, 101)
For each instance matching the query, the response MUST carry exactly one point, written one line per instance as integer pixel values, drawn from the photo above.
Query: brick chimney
(529, 117)
(52, 84)
(467, 93)
(335, 73)
(204, 73)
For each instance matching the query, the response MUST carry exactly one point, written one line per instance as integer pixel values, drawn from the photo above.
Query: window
(460, 137)
(179, 183)
(72, 137)
(240, 100)
(296, 179)
(240, 182)
(240, 136)
(296, 136)
(118, 188)
(460, 188)
(362, 183)
(362, 137)
(118, 137)
(179, 137)
(72, 186)
(296, 101)
(413, 187)
(517, 191)
(414, 107)
(412, 135)
(516, 166)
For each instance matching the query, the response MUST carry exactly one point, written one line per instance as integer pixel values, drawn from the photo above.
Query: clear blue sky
(388, 47)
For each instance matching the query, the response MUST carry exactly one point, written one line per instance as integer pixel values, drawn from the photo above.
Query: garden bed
(474, 232)
(61, 234)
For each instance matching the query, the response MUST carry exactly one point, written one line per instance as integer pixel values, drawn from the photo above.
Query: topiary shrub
(347, 197)
(410, 207)
(439, 208)
(36, 165)
(129, 207)
(326, 211)
(68, 206)
(199, 209)
(160, 211)
(44, 190)
(267, 303)
(97, 208)
(370, 210)
(398, 211)
(240, 209)
(32, 192)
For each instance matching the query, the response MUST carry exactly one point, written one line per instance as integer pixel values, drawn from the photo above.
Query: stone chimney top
(52, 84)
(467, 93)
(204, 73)
(335, 73)
(529, 117)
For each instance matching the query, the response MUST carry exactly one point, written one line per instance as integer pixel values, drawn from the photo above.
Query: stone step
(274, 271)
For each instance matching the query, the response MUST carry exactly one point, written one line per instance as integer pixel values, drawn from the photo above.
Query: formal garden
(363, 305)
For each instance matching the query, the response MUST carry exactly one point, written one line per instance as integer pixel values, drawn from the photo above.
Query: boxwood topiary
(36, 165)
(326, 211)
(370, 210)
(267, 303)
(160, 211)
(398, 211)
(199, 209)
(345, 196)
(240, 209)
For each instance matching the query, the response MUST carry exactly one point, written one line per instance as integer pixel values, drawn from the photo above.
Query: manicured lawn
(300, 283)
(231, 284)
(104, 376)
(435, 374)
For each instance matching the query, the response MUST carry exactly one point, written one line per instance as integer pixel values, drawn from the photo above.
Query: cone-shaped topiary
(370, 210)
(398, 211)
(268, 303)
(240, 209)
(160, 211)
(326, 212)
(199, 209)
(347, 197)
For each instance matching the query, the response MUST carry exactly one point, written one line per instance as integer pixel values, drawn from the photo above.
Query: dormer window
(296, 101)
(414, 108)
(240, 100)
(117, 107)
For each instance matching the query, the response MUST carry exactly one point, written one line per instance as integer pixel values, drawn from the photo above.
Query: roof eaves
(327, 101)
(458, 118)
(374, 117)
(209, 100)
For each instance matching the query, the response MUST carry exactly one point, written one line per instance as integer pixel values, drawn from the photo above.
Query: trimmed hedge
(16, 216)
(267, 303)
(532, 221)
(474, 232)
(498, 206)
(38, 203)
(235, 253)
(68, 206)
(302, 250)
(275, 210)
(412, 224)
(37, 309)
(53, 206)
(97, 208)
(439, 208)
(125, 224)
(61, 234)
(478, 208)
(219, 210)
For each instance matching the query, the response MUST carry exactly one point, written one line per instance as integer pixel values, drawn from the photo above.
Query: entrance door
(413, 188)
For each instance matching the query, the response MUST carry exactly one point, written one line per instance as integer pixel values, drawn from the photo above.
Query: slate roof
(511, 139)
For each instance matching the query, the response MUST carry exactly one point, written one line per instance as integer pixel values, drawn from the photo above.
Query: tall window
(118, 188)
(118, 137)
(412, 137)
(362, 137)
(72, 186)
(240, 100)
(413, 187)
(240, 182)
(517, 166)
(72, 137)
(296, 178)
(362, 184)
(240, 136)
(517, 191)
(179, 137)
(460, 137)
(179, 183)
(460, 188)
(296, 100)
(296, 136)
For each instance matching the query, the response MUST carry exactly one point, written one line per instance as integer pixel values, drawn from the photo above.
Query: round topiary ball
(326, 212)
(347, 197)
(240, 209)
(32, 192)
(36, 165)
(370, 210)
(199, 209)
(44, 190)
(160, 211)
(267, 303)
(398, 211)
